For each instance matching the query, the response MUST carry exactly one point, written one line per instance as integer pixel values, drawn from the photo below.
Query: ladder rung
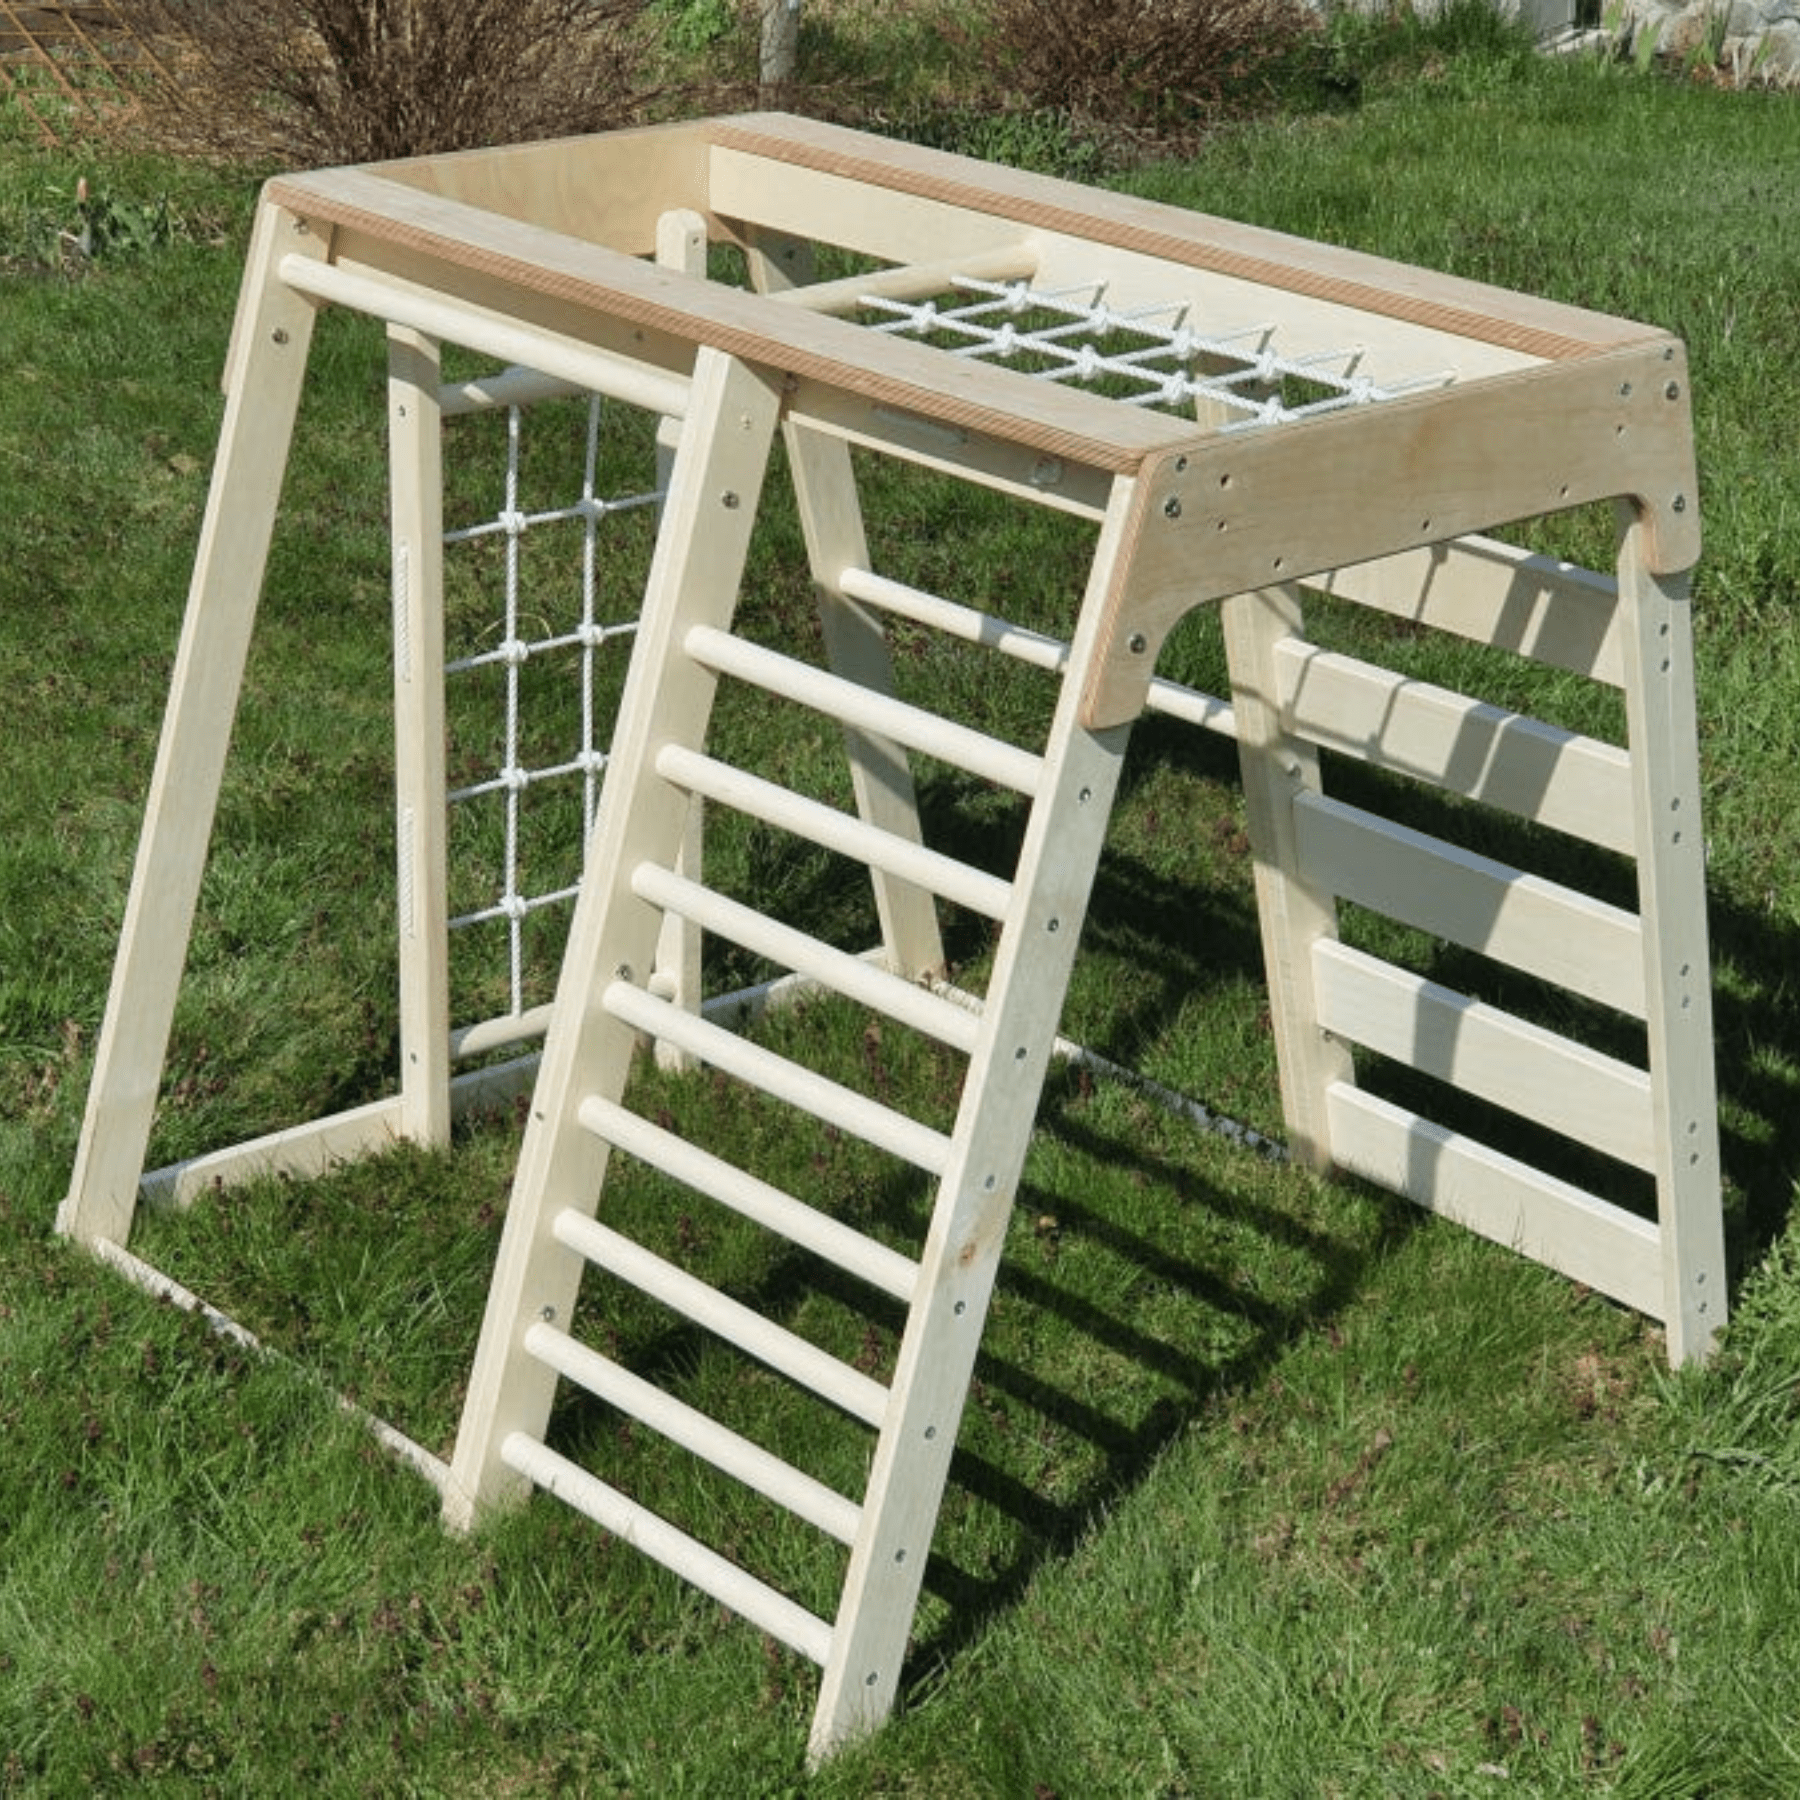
(864, 709)
(814, 1369)
(682, 1424)
(1037, 648)
(662, 1542)
(763, 1069)
(830, 829)
(767, 1206)
(904, 1001)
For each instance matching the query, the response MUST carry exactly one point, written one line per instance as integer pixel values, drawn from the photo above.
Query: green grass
(1267, 1485)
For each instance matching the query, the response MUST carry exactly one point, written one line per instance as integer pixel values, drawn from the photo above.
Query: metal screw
(728, 500)
(1679, 503)
(1172, 508)
(1137, 643)
(1672, 391)
(279, 334)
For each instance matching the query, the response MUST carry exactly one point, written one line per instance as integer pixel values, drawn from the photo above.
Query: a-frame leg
(415, 463)
(267, 367)
(1039, 936)
(694, 579)
(856, 648)
(830, 511)
(1293, 914)
(1657, 638)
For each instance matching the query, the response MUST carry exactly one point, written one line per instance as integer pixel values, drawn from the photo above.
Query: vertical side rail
(415, 465)
(694, 579)
(1051, 887)
(266, 369)
(680, 244)
(1671, 867)
(1292, 914)
(855, 645)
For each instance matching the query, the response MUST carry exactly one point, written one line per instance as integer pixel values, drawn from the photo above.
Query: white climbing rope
(1145, 356)
(514, 650)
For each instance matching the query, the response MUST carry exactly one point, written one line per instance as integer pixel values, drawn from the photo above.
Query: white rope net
(530, 697)
(1145, 356)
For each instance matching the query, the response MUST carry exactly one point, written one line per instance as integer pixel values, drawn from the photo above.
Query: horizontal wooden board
(1547, 930)
(1492, 593)
(1550, 1221)
(1508, 760)
(1549, 1079)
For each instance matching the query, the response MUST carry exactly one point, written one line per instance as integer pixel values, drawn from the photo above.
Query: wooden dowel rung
(830, 829)
(864, 709)
(800, 1087)
(667, 1544)
(1035, 648)
(853, 976)
(515, 386)
(804, 1363)
(694, 1431)
(507, 340)
(756, 1200)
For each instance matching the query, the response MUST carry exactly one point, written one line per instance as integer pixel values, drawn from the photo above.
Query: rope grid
(1071, 334)
(511, 654)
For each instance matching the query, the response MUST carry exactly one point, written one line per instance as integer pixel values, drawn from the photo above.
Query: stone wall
(1751, 40)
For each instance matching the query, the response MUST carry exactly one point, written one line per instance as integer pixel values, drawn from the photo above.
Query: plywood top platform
(569, 223)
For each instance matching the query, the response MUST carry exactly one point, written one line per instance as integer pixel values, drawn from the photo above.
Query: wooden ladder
(603, 1007)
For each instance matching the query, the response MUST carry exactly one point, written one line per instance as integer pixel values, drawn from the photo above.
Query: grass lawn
(1267, 1485)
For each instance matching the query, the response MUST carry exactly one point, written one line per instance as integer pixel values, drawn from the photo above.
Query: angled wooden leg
(415, 426)
(1657, 639)
(694, 580)
(268, 364)
(1293, 915)
(680, 244)
(1024, 1003)
(855, 645)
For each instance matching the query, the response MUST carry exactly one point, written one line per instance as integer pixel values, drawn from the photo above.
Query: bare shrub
(1146, 65)
(337, 81)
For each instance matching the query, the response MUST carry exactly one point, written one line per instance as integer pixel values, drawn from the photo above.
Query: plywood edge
(1237, 511)
(1349, 277)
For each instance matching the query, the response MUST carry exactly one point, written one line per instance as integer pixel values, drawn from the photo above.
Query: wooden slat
(1492, 593)
(1505, 759)
(1550, 931)
(1552, 1222)
(1549, 1079)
